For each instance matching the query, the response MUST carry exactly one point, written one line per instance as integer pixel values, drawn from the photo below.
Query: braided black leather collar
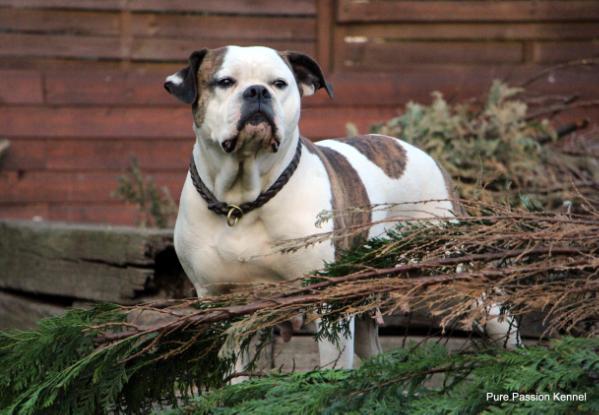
(234, 212)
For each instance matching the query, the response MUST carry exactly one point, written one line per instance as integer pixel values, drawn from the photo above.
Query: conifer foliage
(60, 368)
(399, 382)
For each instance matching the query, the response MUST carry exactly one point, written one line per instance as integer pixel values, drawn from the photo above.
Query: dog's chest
(242, 245)
(212, 252)
(223, 254)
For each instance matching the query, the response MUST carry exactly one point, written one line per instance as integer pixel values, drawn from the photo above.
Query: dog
(254, 180)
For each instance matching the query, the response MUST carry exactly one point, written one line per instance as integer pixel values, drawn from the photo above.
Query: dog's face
(246, 99)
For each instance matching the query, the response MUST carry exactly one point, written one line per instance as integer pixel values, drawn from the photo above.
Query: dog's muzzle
(256, 123)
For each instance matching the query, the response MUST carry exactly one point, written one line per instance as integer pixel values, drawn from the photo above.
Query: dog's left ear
(184, 83)
(308, 73)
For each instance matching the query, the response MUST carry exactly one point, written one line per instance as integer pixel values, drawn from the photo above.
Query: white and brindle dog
(254, 180)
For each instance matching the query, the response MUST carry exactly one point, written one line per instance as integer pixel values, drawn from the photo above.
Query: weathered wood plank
(20, 87)
(85, 86)
(115, 213)
(97, 154)
(66, 187)
(389, 55)
(100, 263)
(473, 31)
(178, 49)
(60, 22)
(232, 28)
(66, 4)
(80, 123)
(68, 46)
(481, 11)
(18, 312)
(556, 52)
(58, 63)
(266, 7)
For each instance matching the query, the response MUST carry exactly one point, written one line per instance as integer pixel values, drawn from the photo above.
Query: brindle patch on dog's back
(348, 192)
(385, 152)
(211, 63)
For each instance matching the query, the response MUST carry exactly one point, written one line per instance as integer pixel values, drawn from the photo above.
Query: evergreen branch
(426, 380)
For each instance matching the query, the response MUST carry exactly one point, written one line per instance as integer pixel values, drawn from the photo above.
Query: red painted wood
(60, 21)
(97, 154)
(114, 213)
(66, 187)
(556, 52)
(268, 7)
(456, 11)
(200, 27)
(20, 87)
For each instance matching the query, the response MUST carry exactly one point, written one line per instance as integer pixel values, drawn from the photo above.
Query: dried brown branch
(544, 262)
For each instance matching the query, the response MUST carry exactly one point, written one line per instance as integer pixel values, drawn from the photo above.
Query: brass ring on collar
(232, 217)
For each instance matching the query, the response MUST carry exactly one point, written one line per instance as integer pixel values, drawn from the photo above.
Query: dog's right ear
(184, 84)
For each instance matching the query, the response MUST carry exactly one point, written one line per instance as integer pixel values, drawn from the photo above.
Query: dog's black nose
(256, 93)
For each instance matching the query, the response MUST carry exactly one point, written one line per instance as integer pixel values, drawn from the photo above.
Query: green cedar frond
(59, 368)
(424, 380)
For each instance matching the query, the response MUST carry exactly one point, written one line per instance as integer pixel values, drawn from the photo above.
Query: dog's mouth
(258, 118)
(256, 129)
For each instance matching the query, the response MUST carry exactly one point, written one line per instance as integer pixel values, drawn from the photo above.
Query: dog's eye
(225, 82)
(279, 83)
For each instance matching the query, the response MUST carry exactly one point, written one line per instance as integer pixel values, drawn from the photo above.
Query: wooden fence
(81, 81)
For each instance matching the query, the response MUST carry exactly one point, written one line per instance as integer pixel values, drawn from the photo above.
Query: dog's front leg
(338, 354)
(502, 329)
(242, 362)
(367, 337)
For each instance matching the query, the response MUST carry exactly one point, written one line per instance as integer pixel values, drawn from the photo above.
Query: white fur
(175, 79)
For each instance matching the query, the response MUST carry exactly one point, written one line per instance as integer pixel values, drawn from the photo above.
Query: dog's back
(388, 171)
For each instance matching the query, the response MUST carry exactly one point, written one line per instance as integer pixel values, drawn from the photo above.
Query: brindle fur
(347, 192)
(205, 76)
(383, 151)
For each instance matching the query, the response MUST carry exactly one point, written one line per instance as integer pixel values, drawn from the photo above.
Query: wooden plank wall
(81, 92)
(390, 34)
(81, 81)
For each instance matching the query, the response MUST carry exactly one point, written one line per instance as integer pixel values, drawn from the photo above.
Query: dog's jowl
(254, 180)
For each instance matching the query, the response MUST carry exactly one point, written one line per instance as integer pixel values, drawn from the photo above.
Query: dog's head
(246, 98)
